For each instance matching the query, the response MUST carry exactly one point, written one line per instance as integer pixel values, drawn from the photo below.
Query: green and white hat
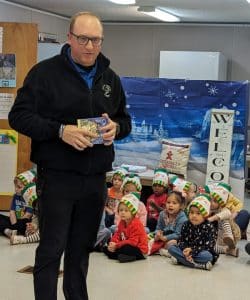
(219, 192)
(160, 177)
(180, 184)
(131, 200)
(202, 202)
(27, 176)
(121, 172)
(29, 194)
(132, 178)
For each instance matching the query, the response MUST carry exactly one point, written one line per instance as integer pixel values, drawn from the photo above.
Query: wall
(45, 22)
(135, 49)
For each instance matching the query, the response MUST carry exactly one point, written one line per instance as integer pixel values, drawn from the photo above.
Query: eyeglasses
(83, 40)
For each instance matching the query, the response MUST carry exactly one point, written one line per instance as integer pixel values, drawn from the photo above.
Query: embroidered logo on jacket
(107, 90)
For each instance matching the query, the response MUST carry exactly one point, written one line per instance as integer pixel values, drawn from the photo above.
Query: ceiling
(189, 11)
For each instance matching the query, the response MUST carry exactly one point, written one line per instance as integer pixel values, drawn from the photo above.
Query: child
(156, 202)
(239, 215)
(195, 248)
(32, 234)
(228, 230)
(130, 184)
(130, 242)
(114, 195)
(20, 211)
(169, 224)
(103, 235)
(186, 188)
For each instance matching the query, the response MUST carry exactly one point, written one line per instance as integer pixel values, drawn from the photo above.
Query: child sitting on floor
(195, 248)
(32, 232)
(114, 195)
(169, 224)
(20, 211)
(156, 202)
(228, 230)
(239, 215)
(186, 188)
(130, 184)
(103, 235)
(129, 243)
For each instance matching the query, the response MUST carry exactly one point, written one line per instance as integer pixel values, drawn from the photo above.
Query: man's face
(88, 26)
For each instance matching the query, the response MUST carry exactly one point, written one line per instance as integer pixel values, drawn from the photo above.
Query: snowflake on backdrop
(170, 95)
(212, 91)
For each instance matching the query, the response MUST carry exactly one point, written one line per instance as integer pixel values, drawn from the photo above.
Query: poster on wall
(1, 39)
(7, 70)
(8, 160)
(180, 110)
(6, 102)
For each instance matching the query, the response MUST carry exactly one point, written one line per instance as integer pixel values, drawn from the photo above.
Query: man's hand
(109, 130)
(79, 138)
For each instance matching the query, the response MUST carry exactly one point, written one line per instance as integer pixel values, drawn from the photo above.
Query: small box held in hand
(93, 125)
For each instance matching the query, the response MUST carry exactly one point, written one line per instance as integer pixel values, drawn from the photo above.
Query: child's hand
(158, 235)
(187, 252)
(30, 229)
(112, 247)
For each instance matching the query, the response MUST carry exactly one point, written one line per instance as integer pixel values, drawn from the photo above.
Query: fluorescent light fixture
(158, 13)
(123, 1)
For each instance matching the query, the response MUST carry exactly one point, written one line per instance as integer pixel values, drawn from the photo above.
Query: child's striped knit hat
(29, 193)
(180, 185)
(219, 192)
(202, 202)
(160, 177)
(131, 200)
(132, 178)
(27, 176)
(122, 172)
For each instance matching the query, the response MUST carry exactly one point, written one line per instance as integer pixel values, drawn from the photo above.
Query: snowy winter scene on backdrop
(180, 110)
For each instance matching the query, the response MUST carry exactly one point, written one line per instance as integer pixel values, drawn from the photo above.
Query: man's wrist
(61, 129)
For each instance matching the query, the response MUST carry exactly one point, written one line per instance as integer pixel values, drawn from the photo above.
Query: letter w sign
(220, 143)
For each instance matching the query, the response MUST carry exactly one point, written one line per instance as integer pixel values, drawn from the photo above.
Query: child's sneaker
(207, 266)
(247, 248)
(233, 252)
(123, 258)
(174, 261)
(7, 232)
(229, 241)
(16, 239)
(164, 252)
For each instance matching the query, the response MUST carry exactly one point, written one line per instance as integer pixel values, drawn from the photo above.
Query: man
(71, 184)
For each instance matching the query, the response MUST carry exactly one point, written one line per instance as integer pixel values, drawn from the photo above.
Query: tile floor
(153, 279)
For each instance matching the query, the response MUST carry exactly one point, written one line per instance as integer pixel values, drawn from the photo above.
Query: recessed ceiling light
(123, 1)
(159, 13)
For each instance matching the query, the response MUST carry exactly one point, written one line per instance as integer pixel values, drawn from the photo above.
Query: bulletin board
(19, 39)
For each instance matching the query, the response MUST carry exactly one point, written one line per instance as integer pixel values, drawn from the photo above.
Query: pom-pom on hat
(131, 200)
(160, 177)
(180, 184)
(121, 172)
(27, 176)
(202, 202)
(219, 192)
(132, 178)
(29, 193)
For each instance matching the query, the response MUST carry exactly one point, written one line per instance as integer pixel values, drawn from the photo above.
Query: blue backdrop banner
(180, 110)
